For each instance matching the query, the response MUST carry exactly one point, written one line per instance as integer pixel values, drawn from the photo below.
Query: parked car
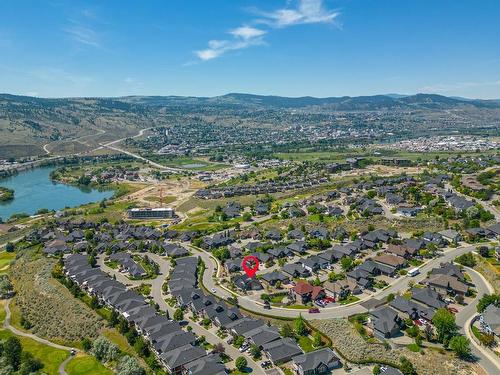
(265, 364)
(314, 310)
(230, 340)
(452, 310)
(214, 290)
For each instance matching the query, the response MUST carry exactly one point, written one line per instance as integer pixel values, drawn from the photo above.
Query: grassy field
(187, 163)
(333, 156)
(86, 365)
(5, 259)
(50, 357)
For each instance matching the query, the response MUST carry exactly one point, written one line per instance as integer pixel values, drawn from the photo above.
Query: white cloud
(243, 37)
(82, 34)
(306, 12)
(129, 80)
(247, 32)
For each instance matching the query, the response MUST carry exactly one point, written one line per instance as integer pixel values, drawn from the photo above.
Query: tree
(466, 259)
(113, 319)
(286, 330)
(255, 351)
(317, 340)
(346, 263)
(407, 367)
(376, 370)
(300, 326)
(487, 339)
(178, 315)
(128, 366)
(9, 247)
(13, 349)
(241, 363)
(238, 341)
(29, 364)
(487, 300)
(247, 216)
(92, 260)
(444, 321)
(219, 348)
(86, 344)
(104, 350)
(390, 297)
(428, 332)
(460, 345)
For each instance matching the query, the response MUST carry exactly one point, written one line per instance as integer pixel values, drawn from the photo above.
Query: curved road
(159, 297)
(399, 285)
(485, 358)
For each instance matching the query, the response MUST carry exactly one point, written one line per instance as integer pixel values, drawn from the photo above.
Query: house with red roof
(303, 292)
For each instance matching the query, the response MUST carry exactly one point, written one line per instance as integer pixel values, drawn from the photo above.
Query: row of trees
(447, 333)
(13, 358)
(105, 351)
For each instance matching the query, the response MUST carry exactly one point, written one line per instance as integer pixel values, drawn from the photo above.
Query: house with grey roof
(176, 360)
(281, 351)
(490, 320)
(317, 362)
(385, 322)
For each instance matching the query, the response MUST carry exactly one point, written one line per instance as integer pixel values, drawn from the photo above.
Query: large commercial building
(151, 213)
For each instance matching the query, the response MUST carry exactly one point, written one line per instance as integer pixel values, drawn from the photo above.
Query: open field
(5, 259)
(50, 357)
(86, 365)
(50, 308)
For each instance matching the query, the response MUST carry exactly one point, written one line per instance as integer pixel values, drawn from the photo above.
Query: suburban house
(428, 297)
(303, 292)
(295, 270)
(490, 320)
(272, 278)
(128, 265)
(390, 260)
(317, 362)
(450, 235)
(281, 351)
(342, 288)
(446, 284)
(385, 322)
(401, 251)
(245, 283)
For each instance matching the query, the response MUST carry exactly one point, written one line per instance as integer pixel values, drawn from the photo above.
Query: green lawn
(50, 357)
(414, 348)
(5, 259)
(86, 365)
(305, 343)
(348, 300)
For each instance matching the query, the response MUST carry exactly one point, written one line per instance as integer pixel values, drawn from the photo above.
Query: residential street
(159, 297)
(399, 285)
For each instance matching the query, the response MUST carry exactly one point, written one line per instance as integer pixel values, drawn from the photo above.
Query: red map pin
(250, 265)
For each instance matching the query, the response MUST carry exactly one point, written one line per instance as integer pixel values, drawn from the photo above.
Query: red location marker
(250, 265)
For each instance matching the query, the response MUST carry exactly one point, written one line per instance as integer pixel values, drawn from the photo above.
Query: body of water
(33, 190)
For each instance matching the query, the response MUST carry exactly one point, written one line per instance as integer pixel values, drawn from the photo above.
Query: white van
(413, 272)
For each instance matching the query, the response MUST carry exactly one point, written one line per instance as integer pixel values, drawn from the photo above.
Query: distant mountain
(345, 103)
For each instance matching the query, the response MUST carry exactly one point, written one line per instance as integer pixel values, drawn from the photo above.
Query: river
(33, 190)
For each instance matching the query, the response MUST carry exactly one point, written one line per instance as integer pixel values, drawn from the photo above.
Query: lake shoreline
(35, 191)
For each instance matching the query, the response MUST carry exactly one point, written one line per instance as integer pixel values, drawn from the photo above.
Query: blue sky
(59, 48)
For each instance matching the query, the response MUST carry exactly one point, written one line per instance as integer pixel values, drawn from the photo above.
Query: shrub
(104, 350)
(241, 363)
(460, 345)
